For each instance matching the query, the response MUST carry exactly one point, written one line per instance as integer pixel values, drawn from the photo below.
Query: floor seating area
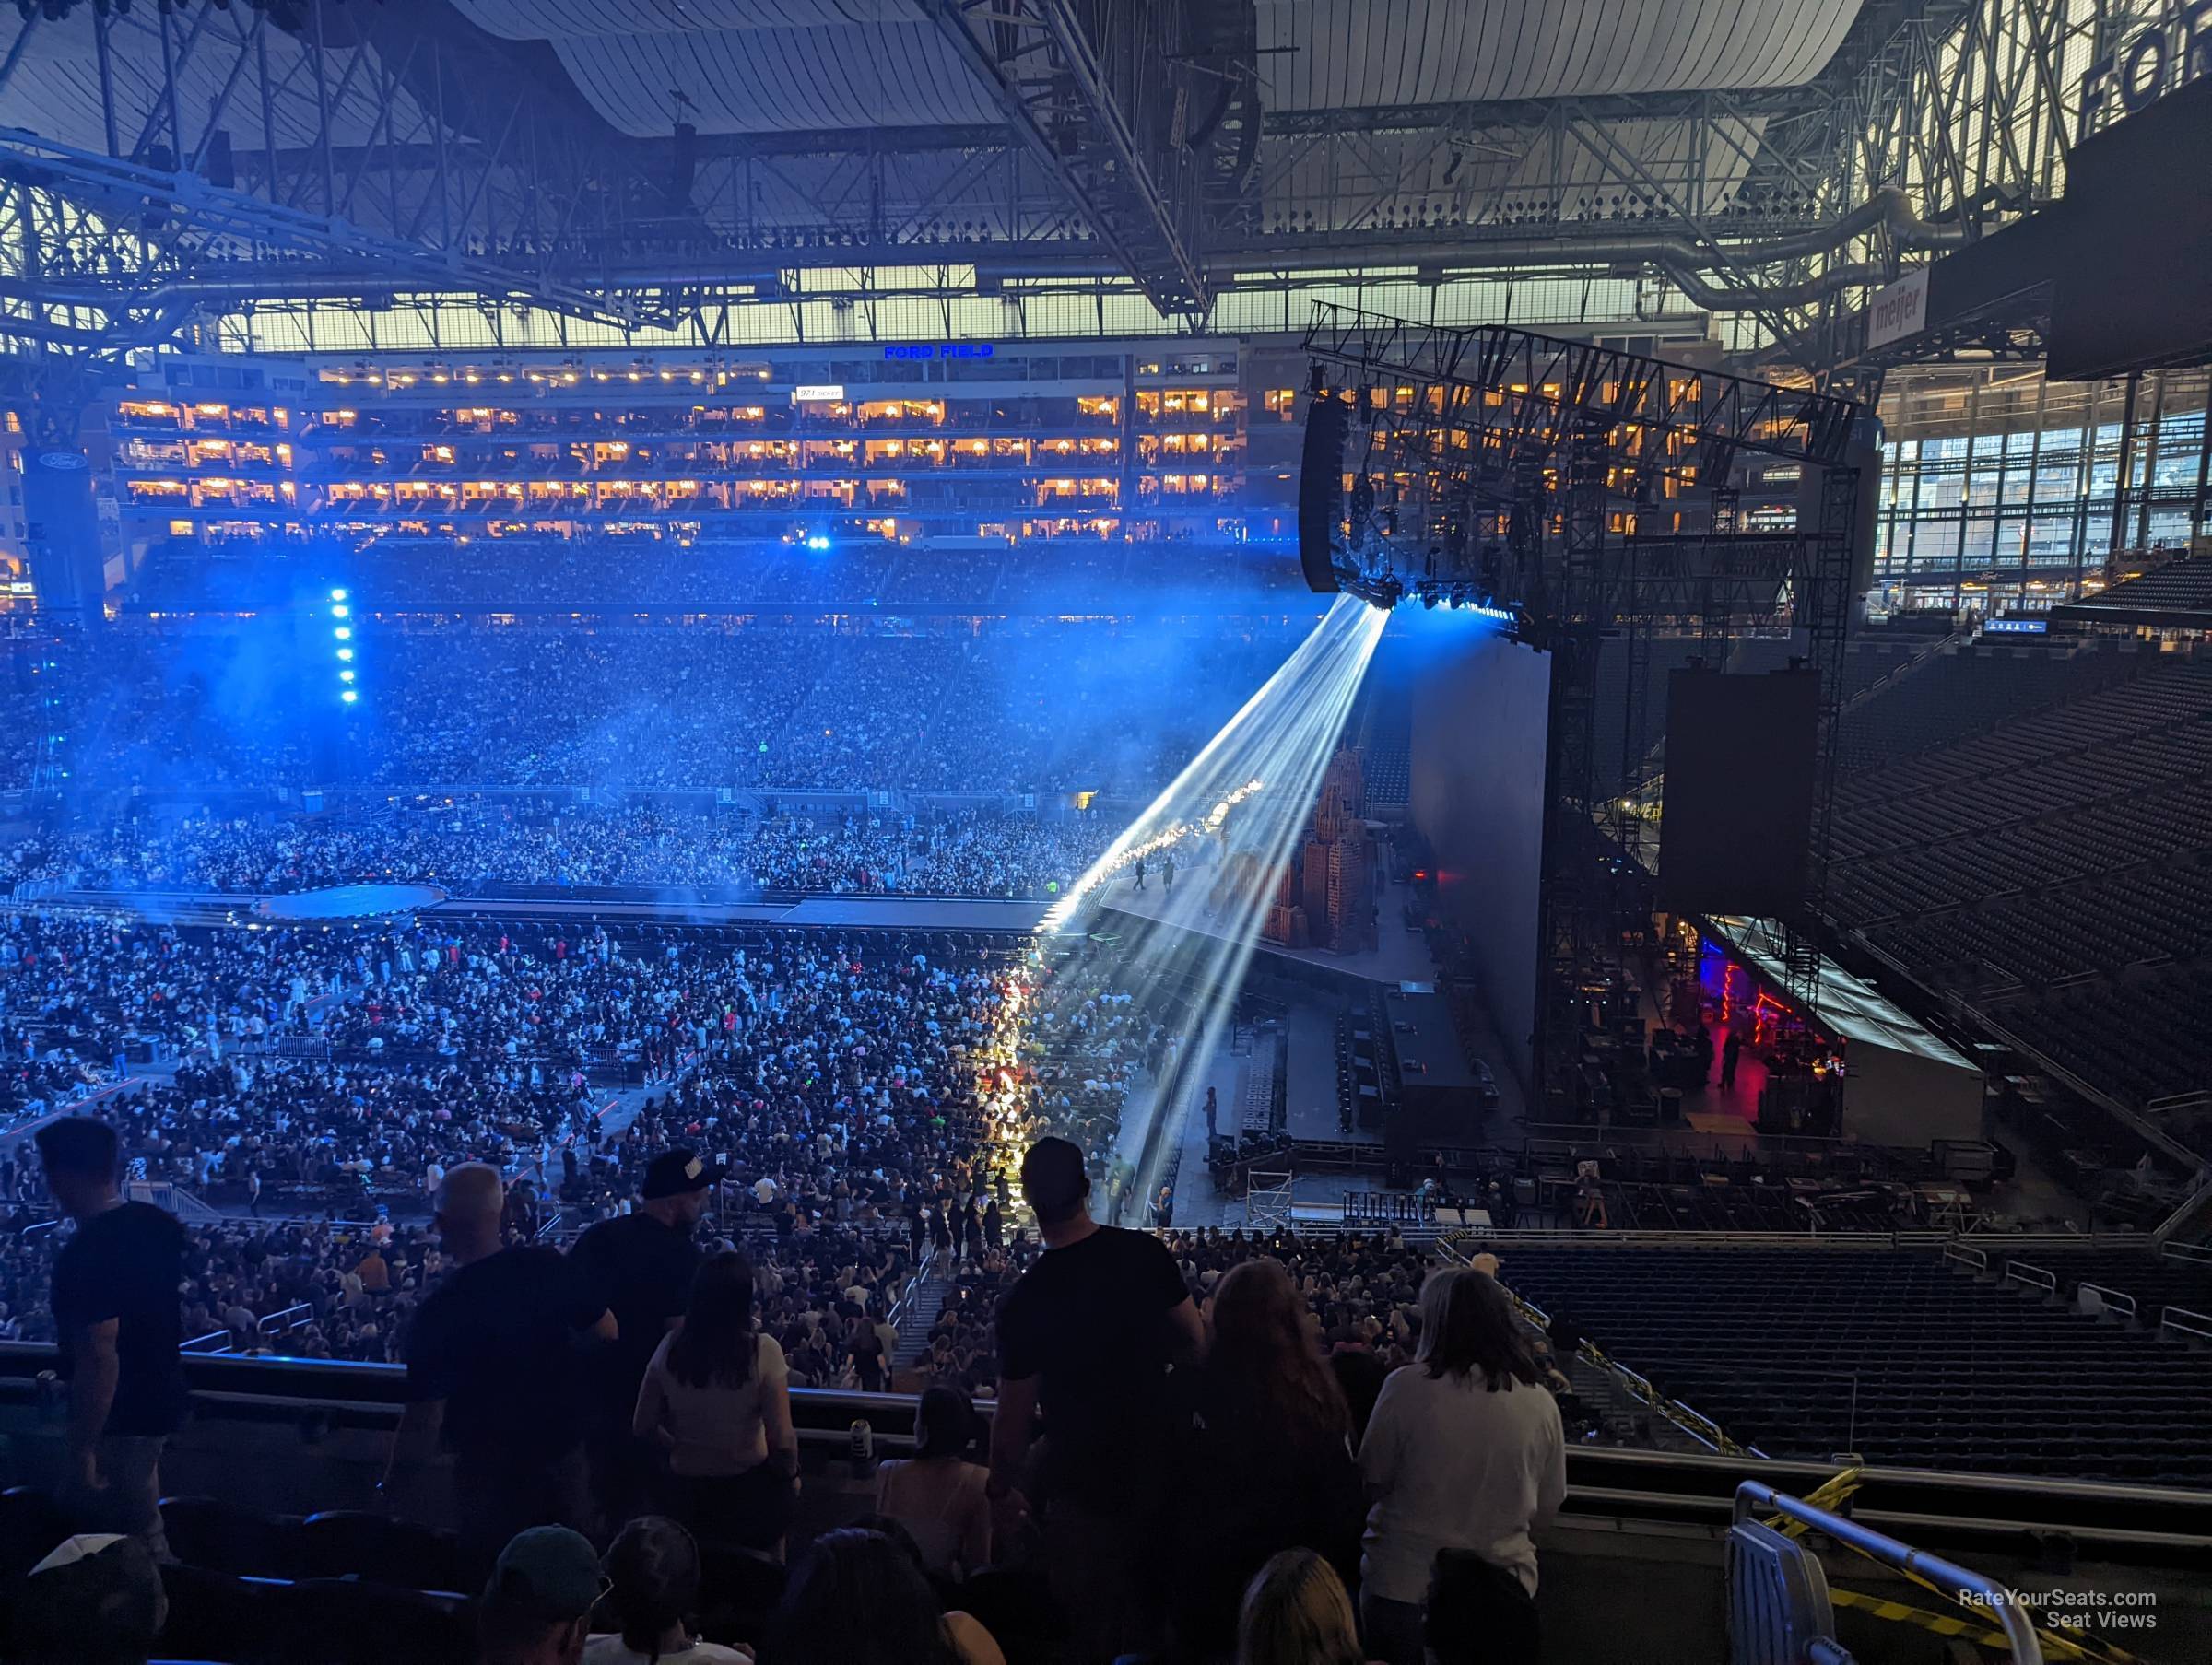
(1894, 1355)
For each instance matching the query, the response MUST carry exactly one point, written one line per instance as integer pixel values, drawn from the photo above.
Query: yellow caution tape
(2059, 1645)
(2055, 1646)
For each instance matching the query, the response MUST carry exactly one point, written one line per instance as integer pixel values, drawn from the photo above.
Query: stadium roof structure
(627, 161)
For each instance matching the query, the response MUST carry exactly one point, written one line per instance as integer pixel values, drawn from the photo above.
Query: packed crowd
(485, 849)
(1013, 708)
(624, 1449)
(319, 1074)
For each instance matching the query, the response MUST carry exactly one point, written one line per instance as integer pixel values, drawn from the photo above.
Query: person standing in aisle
(117, 1321)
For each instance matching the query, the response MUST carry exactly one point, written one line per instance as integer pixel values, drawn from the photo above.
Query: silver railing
(2115, 1300)
(1693, 1424)
(2034, 1277)
(2179, 1323)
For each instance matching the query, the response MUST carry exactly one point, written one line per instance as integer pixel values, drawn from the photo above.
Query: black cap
(676, 1173)
(1053, 1178)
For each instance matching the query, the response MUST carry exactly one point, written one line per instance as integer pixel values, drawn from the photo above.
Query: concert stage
(348, 903)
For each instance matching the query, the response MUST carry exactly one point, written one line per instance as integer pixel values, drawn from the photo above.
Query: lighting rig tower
(1583, 495)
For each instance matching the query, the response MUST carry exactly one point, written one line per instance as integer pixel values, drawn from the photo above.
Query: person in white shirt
(1464, 1452)
(653, 1567)
(716, 1397)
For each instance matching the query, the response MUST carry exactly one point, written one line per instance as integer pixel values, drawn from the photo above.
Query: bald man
(493, 1367)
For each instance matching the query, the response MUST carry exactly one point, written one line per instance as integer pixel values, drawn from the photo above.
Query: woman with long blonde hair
(1295, 1612)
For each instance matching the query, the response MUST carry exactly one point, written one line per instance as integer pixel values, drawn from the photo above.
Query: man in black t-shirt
(494, 1366)
(1089, 1335)
(643, 1265)
(115, 1315)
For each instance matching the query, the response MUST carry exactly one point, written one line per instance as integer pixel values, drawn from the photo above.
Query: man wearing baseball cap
(537, 1608)
(642, 1264)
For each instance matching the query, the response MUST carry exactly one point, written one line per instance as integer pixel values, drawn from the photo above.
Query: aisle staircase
(916, 1311)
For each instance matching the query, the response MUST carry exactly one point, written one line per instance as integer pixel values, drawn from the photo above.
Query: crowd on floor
(340, 1076)
(1045, 707)
(488, 848)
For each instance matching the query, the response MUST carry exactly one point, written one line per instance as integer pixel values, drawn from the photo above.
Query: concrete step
(920, 1314)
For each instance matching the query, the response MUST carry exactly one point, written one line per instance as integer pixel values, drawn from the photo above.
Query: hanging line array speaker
(1320, 490)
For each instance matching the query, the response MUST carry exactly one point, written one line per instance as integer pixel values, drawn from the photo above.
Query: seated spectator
(536, 1610)
(1465, 1452)
(716, 1397)
(97, 1599)
(859, 1598)
(654, 1568)
(937, 1496)
(1295, 1612)
(1267, 1465)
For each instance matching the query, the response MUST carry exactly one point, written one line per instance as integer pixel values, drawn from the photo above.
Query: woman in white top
(938, 1495)
(1464, 1453)
(716, 1398)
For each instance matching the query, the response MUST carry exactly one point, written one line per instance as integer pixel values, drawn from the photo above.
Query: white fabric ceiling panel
(572, 20)
(778, 80)
(1328, 55)
(55, 89)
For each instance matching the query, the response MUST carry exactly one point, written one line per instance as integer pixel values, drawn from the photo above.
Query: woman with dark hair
(716, 1398)
(653, 1567)
(1464, 1452)
(937, 1496)
(859, 1598)
(1268, 1464)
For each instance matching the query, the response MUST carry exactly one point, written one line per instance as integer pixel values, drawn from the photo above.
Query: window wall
(2002, 490)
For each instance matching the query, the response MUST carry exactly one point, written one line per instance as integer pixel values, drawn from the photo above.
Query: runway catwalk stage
(1224, 826)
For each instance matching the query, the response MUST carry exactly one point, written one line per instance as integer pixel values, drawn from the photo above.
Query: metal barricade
(1781, 1615)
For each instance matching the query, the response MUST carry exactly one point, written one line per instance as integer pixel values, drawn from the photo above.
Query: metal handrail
(2196, 1325)
(1689, 1421)
(2119, 1300)
(2035, 1277)
(1966, 1256)
(913, 1284)
(283, 1322)
(1977, 1592)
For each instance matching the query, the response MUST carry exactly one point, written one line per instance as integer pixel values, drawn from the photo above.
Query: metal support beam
(1064, 94)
